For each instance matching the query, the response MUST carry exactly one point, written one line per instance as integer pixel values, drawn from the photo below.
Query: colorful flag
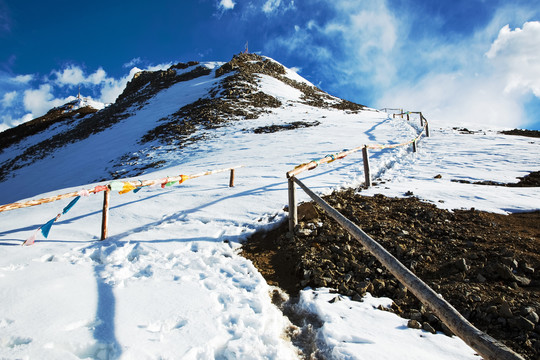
(127, 188)
(47, 227)
(70, 205)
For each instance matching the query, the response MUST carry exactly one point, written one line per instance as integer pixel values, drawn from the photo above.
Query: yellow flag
(127, 188)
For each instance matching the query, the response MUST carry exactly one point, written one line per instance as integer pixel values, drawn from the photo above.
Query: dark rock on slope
(486, 265)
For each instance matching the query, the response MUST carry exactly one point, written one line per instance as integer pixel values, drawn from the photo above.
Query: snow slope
(168, 282)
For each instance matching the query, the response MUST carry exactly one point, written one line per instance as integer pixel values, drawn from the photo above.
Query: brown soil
(57, 115)
(486, 265)
(138, 91)
(530, 180)
(292, 126)
(528, 133)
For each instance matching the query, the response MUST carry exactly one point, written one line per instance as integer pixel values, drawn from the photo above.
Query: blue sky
(470, 62)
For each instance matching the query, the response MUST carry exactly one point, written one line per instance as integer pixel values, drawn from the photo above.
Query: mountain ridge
(161, 112)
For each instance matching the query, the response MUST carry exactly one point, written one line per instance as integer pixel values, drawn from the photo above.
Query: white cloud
(39, 101)
(488, 89)
(364, 49)
(6, 121)
(457, 99)
(74, 75)
(98, 77)
(296, 69)
(132, 63)
(357, 45)
(516, 54)
(271, 6)
(22, 79)
(8, 98)
(226, 4)
(111, 89)
(50, 93)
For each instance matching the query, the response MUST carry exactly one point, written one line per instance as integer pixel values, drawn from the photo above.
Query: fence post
(408, 117)
(427, 129)
(367, 174)
(421, 119)
(414, 146)
(105, 214)
(485, 345)
(231, 179)
(293, 210)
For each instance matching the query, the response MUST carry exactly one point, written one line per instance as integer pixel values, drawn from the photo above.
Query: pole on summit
(246, 51)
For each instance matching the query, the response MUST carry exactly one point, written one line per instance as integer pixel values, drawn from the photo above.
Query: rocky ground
(522, 132)
(486, 265)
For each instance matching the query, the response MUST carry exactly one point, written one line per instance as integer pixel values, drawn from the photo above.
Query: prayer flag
(47, 227)
(100, 188)
(83, 192)
(70, 205)
(127, 188)
(116, 186)
(31, 239)
(183, 178)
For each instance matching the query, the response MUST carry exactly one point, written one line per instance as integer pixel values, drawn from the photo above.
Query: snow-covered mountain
(168, 282)
(158, 114)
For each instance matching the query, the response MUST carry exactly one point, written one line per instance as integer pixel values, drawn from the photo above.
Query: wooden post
(293, 210)
(421, 119)
(367, 174)
(408, 117)
(427, 129)
(485, 345)
(105, 214)
(393, 116)
(414, 146)
(231, 180)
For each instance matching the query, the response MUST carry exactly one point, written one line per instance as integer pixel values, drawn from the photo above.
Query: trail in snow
(169, 283)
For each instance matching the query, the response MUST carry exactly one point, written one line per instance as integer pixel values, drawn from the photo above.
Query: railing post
(421, 119)
(408, 118)
(414, 146)
(485, 345)
(105, 214)
(427, 129)
(293, 210)
(367, 174)
(231, 179)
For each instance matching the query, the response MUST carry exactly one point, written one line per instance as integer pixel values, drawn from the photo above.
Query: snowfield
(168, 283)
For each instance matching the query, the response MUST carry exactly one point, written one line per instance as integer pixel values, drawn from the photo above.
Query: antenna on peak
(79, 94)
(246, 51)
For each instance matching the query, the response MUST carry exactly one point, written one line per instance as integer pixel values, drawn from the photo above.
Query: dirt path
(486, 265)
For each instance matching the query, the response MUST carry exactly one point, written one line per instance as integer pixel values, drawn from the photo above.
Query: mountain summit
(158, 112)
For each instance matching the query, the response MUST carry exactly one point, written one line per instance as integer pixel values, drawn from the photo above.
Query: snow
(350, 332)
(471, 157)
(88, 101)
(169, 283)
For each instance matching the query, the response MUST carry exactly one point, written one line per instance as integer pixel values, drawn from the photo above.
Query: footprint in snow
(164, 326)
(47, 258)
(14, 341)
(90, 324)
(4, 323)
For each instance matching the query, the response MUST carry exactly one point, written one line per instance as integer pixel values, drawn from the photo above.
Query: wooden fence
(488, 347)
(122, 187)
(293, 218)
(485, 345)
